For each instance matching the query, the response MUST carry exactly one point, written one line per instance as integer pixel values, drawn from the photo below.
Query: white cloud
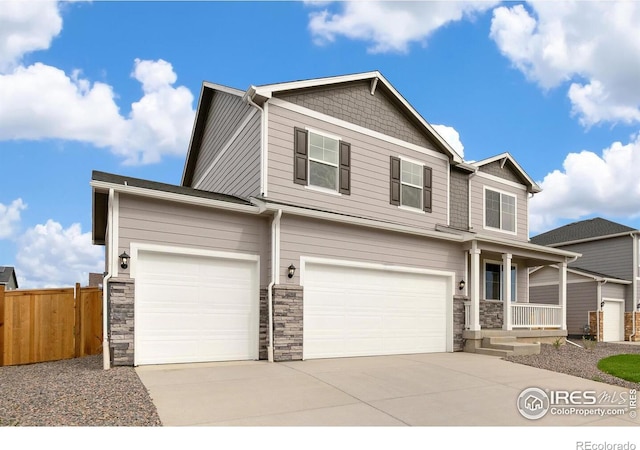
(594, 46)
(590, 184)
(52, 256)
(10, 217)
(452, 137)
(26, 26)
(43, 102)
(389, 26)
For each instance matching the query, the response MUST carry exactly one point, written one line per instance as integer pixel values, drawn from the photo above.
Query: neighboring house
(95, 280)
(319, 218)
(603, 287)
(8, 278)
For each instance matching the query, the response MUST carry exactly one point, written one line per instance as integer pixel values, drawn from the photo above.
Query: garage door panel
(353, 311)
(195, 308)
(613, 314)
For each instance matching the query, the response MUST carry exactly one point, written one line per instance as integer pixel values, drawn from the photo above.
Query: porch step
(510, 345)
(493, 352)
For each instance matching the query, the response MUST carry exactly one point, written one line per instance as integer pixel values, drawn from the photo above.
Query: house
(314, 219)
(8, 278)
(95, 280)
(603, 289)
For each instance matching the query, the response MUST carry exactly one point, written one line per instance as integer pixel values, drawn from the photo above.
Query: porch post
(506, 291)
(474, 310)
(562, 294)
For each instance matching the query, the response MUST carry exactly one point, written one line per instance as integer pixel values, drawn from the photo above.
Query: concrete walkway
(425, 389)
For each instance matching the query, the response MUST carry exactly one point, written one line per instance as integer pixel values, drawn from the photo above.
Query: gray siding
(225, 115)
(324, 239)
(354, 103)
(581, 298)
(178, 225)
(477, 185)
(459, 199)
(506, 172)
(369, 173)
(613, 257)
(237, 171)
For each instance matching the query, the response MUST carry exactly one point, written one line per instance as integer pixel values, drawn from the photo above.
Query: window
(321, 161)
(410, 184)
(499, 211)
(493, 281)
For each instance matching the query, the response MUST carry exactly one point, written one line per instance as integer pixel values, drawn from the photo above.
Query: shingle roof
(154, 185)
(6, 274)
(585, 229)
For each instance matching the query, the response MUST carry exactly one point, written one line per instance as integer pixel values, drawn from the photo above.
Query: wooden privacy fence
(49, 324)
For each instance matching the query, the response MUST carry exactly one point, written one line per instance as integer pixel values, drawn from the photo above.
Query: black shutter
(345, 168)
(395, 181)
(300, 156)
(426, 191)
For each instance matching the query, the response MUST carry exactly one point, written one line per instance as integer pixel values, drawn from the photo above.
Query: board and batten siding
(323, 239)
(172, 224)
(477, 187)
(370, 173)
(226, 114)
(613, 257)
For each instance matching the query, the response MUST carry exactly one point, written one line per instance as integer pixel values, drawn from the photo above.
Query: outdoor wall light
(292, 271)
(461, 285)
(124, 260)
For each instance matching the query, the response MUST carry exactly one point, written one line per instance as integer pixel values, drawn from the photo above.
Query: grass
(623, 366)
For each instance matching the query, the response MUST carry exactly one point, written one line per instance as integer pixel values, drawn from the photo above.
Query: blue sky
(113, 86)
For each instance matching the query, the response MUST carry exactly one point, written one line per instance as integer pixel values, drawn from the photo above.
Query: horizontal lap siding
(226, 113)
(323, 239)
(369, 173)
(611, 257)
(237, 172)
(581, 298)
(173, 224)
(477, 208)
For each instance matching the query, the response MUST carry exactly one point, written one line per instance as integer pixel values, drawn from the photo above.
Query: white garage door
(193, 308)
(613, 318)
(351, 311)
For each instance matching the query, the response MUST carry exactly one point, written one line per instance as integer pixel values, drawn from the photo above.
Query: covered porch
(497, 311)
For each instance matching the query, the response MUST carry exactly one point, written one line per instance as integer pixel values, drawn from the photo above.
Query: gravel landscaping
(579, 362)
(74, 392)
(78, 392)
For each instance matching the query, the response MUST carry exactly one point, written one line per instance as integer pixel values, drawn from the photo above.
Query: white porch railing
(535, 315)
(526, 315)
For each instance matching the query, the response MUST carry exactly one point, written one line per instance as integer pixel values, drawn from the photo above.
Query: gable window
(410, 184)
(322, 161)
(493, 281)
(499, 210)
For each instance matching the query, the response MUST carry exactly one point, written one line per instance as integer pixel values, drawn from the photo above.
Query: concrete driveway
(424, 389)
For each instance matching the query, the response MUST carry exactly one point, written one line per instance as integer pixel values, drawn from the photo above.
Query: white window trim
(407, 207)
(484, 210)
(514, 289)
(310, 159)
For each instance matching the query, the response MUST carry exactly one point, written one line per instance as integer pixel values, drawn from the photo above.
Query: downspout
(599, 300)
(106, 357)
(634, 286)
(275, 260)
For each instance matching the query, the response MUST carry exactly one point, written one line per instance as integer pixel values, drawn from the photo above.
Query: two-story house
(603, 289)
(314, 219)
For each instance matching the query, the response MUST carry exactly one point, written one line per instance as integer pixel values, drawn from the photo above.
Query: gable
(354, 103)
(506, 171)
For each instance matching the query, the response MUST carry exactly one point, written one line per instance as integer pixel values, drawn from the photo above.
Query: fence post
(1, 325)
(78, 325)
